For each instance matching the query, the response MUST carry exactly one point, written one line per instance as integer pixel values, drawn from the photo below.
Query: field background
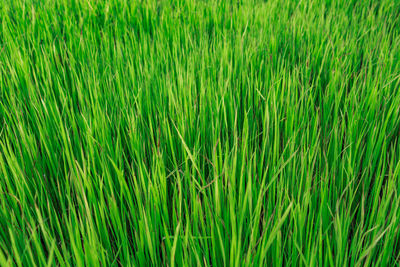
(187, 132)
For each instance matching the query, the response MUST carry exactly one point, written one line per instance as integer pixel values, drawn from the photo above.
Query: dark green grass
(200, 133)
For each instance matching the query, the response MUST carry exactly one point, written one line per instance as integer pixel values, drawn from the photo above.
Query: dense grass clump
(188, 132)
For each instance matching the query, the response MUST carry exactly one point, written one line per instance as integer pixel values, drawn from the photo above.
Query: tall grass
(191, 132)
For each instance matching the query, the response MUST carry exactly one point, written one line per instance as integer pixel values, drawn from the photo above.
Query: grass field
(200, 133)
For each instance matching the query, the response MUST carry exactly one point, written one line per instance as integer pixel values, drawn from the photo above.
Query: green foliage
(186, 133)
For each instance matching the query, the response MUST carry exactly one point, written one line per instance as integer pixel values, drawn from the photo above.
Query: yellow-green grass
(199, 133)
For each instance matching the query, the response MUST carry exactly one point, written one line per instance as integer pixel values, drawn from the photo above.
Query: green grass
(187, 132)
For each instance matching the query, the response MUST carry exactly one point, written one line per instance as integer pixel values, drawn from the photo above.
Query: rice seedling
(208, 133)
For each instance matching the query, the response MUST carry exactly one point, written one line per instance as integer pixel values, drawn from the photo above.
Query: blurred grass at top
(210, 133)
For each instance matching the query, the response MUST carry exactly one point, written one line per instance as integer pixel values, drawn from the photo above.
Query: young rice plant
(199, 133)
